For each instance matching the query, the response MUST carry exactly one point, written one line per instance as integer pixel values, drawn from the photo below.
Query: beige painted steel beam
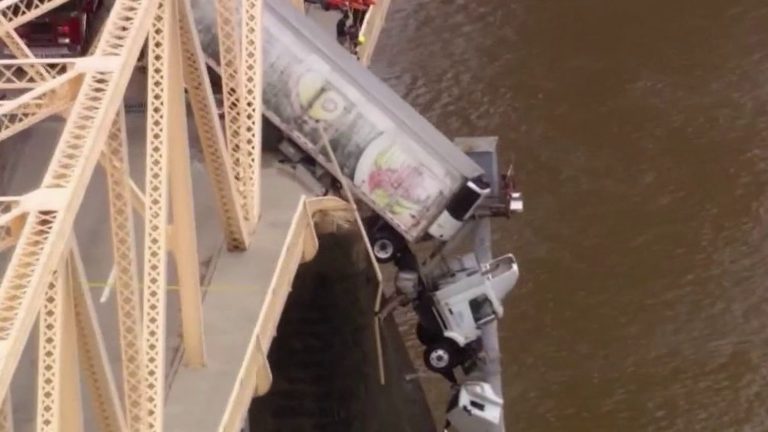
(43, 240)
(26, 74)
(15, 74)
(217, 160)
(184, 245)
(230, 63)
(93, 356)
(115, 163)
(35, 105)
(58, 381)
(159, 126)
(248, 162)
(40, 224)
(48, 379)
(18, 12)
(69, 371)
(27, 115)
(17, 47)
(47, 98)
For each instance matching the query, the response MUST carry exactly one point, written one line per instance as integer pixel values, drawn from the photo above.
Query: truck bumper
(42, 52)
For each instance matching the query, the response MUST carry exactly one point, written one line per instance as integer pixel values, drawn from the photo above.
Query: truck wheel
(441, 356)
(385, 245)
(426, 336)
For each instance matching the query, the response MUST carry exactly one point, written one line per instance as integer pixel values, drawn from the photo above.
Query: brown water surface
(640, 131)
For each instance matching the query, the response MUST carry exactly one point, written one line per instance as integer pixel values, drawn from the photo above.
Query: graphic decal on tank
(392, 170)
(394, 180)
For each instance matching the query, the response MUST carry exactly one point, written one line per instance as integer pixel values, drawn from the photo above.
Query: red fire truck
(66, 30)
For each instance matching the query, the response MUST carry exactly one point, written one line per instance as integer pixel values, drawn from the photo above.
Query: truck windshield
(465, 199)
(499, 266)
(482, 309)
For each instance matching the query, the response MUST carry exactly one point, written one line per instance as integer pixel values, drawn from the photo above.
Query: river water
(640, 135)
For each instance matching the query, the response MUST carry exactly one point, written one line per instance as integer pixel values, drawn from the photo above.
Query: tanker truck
(416, 181)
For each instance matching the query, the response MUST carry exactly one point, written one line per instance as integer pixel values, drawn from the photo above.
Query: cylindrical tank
(401, 165)
(205, 17)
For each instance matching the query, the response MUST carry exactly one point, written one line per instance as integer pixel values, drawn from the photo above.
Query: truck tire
(385, 245)
(426, 335)
(442, 356)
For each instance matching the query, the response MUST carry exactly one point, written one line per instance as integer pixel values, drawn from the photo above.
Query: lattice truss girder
(14, 13)
(17, 12)
(51, 86)
(232, 85)
(26, 74)
(43, 241)
(45, 276)
(251, 66)
(115, 162)
(42, 101)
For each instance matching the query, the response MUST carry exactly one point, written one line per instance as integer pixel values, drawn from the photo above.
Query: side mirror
(509, 188)
(515, 200)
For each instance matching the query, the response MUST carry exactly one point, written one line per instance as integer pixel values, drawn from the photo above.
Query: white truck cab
(472, 298)
(475, 407)
(460, 301)
(459, 209)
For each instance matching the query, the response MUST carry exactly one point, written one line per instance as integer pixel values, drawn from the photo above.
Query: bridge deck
(236, 299)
